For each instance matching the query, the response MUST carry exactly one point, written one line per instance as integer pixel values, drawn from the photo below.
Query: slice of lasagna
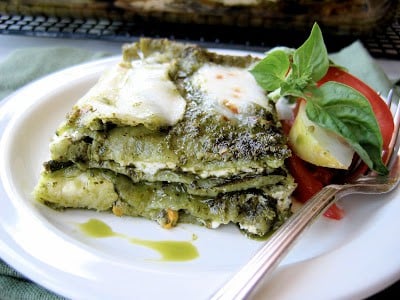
(173, 133)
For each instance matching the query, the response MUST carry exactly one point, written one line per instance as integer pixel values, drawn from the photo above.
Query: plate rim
(7, 252)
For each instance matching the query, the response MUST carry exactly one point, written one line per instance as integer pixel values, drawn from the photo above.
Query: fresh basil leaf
(311, 58)
(348, 113)
(288, 89)
(300, 88)
(270, 72)
(334, 106)
(295, 83)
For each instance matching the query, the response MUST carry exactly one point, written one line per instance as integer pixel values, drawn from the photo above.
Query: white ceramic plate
(352, 258)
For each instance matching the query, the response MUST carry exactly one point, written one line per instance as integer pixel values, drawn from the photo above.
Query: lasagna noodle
(173, 130)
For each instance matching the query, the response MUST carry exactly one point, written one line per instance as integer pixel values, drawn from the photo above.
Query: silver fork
(243, 283)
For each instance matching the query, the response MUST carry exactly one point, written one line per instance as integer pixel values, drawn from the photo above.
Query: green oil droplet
(97, 229)
(170, 250)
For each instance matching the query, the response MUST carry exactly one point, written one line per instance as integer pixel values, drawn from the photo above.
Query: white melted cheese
(230, 90)
(222, 172)
(153, 167)
(142, 94)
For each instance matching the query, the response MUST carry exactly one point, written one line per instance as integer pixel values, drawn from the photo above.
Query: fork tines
(394, 106)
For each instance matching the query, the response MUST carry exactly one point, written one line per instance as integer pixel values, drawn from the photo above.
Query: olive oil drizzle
(169, 250)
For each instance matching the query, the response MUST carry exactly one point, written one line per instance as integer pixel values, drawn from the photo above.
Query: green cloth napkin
(14, 286)
(18, 69)
(358, 62)
(26, 65)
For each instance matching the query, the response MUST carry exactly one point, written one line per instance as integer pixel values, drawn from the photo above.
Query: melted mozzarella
(153, 167)
(230, 90)
(142, 94)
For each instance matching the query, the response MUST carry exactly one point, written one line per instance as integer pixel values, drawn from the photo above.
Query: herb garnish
(333, 106)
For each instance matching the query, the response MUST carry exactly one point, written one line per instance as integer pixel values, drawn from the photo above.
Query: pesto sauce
(258, 238)
(97, 229)
(169, 250)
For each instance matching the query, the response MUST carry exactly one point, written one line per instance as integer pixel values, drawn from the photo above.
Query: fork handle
(277, 246)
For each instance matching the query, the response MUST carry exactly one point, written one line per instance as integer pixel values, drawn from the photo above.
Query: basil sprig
(333, 106)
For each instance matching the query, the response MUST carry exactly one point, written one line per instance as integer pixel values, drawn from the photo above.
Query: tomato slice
(381, 110)
(311, 179)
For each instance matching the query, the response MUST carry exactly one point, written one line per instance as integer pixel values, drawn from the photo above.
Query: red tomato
(311, 179)
(381, 110)
(334, 212)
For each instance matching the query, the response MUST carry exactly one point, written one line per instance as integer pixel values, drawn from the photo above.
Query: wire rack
(382, 44)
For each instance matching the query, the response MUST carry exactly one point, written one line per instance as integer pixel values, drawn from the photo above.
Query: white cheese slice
(152, 168)
(142, 94)
(230, 90)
